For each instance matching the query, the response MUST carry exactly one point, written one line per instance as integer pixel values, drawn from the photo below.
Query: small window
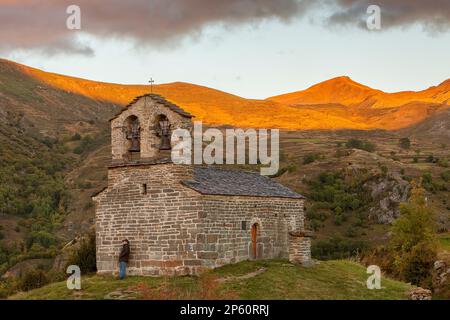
(244, 225)
(144, 188)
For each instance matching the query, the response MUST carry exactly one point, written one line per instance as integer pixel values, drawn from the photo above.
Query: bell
(134, 135)
(165, 143)
(134, 146)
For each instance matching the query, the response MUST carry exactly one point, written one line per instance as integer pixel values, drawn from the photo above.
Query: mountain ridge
(337, 103)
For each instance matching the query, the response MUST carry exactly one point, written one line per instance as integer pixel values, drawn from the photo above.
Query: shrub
(42, 238)
(443, 163)
(78, 150)
(405, 143)
(432, 159)
(84, 256)
(75, 137)
(310, 158)
(446, 176)
(351, 232)
(361, 144)
(413, 240)
(337, 248)
(86, 142)
(32, 279)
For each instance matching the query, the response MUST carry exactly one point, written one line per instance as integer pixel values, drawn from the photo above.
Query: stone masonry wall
(175, 230)
(147, 111)
(300, 248)
(161, 225)
(228, 222)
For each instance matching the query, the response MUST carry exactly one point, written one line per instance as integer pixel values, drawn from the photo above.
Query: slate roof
(159, 99)
(215, 181)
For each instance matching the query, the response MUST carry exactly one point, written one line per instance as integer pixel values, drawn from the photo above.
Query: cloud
(41, 24)
(433, 15)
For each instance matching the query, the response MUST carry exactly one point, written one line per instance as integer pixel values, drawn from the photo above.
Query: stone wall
(161, 223)
(147, 111)
(300, 248)
(228, 223)
(172, 229)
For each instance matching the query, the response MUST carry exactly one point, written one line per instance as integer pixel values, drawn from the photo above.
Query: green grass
(444, 241)
(338, 279)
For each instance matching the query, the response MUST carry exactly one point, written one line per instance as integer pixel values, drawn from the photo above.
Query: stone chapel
(182, 219)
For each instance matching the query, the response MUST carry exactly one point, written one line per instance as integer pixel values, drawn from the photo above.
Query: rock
(439, 265)
(420, 294)
(122, 294)
(441, 273)
(387, 192)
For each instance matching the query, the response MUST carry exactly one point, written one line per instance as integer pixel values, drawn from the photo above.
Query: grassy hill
(276, 280)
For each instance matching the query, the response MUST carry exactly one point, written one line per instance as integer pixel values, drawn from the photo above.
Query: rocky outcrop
(441, 274)
(420, 294)
(387, 192)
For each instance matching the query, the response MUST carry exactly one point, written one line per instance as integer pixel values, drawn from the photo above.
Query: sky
(251, 48)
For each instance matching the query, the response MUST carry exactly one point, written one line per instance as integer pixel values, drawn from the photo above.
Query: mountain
(435, 128)
(345, 91)
(339, 103)
(341, 90)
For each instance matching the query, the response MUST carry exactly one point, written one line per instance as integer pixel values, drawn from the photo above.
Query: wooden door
(254, 240)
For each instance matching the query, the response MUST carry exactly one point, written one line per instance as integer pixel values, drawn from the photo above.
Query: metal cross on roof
(151, 81)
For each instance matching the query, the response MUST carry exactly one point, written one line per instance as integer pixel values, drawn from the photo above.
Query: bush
(84, 256)
(446, 176)
(86, 142)
(78, 150)
(337, 248)
(432, 159)
(416, 266)
(310, 158)
(351, 232)
(405, 143)
(443, 163)
(32, 279)
(361, 144)
(75, 137)
(42, 238)
(413, 240)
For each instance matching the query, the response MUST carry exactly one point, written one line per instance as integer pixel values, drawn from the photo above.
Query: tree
(413, 240)
(405, 143)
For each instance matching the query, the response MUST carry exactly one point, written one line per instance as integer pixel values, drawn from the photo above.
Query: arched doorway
(254, 247)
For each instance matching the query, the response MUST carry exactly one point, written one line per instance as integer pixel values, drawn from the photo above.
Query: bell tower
(142, 131)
